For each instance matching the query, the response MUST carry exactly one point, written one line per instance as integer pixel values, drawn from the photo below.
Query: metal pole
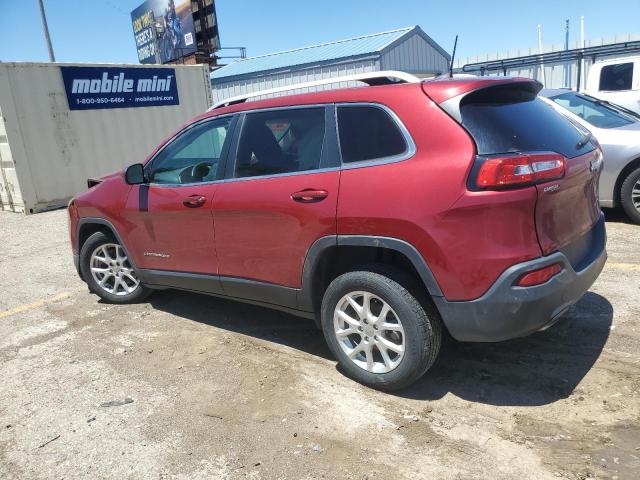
(567, 80)
(52, 57)
(581, 80)
(544, 81)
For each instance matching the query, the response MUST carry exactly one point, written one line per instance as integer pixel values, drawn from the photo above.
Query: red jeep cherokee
(383, 212)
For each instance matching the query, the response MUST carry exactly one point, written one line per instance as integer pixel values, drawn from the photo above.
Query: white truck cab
(617, 81)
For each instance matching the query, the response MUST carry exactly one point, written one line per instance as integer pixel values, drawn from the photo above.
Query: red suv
(384, 213)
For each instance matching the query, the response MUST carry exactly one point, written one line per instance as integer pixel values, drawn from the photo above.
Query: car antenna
(453, 55)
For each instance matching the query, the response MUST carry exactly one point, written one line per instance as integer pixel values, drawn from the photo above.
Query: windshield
(597, 113)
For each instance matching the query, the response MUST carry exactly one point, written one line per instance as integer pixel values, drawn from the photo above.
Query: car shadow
(616, 215)
(263, 323)
(536, 370)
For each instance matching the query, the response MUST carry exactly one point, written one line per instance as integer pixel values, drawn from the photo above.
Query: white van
(616, 81)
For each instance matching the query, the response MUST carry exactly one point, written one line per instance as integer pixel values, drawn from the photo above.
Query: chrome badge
(154, 254)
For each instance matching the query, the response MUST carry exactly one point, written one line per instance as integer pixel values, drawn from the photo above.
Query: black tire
(626, 192)
(95, 241)
(420, 321)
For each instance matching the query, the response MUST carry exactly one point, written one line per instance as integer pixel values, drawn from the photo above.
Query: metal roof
(326, 52)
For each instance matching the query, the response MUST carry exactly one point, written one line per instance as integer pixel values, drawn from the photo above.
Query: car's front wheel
(108, 271)
(380, 333)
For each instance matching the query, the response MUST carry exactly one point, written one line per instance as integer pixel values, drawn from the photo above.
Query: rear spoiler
(450, 94)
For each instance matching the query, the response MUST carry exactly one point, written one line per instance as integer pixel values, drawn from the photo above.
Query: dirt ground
(211, 389)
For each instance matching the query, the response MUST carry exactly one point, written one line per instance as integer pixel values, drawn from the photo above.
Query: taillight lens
(537, 277)
(518, 170)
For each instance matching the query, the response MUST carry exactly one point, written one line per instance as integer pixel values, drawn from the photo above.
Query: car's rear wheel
(108, 271)
(630, 195)
(380, 333)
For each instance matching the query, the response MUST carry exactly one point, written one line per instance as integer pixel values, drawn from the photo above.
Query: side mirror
(135, 174)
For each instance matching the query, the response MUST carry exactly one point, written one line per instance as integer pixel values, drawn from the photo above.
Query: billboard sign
(90, 88)
(163, 30)
(145, 34)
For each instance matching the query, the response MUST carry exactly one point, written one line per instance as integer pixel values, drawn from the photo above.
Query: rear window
(507, 119)
(616, 77)
(368, 133)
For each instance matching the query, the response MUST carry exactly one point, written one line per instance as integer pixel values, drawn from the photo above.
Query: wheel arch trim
(624, 172)
(319, 247)
(106, 223)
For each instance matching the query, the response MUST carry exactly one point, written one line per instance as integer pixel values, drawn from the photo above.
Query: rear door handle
(309, 195)
(194, 201)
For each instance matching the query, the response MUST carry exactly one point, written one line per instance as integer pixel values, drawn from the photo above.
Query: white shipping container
(48, 151)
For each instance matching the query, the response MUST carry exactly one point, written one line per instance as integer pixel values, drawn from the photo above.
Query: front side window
(596, 113)
(280, 141)
(616, 77)
(192, 157)
(368, 133)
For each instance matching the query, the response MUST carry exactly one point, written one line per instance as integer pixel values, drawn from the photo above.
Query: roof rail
(371, 78)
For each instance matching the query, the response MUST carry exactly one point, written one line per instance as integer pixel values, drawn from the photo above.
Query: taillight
(517, 170)
(537, 277)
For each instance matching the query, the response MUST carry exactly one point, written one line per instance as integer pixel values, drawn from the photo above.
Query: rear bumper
(506, 311)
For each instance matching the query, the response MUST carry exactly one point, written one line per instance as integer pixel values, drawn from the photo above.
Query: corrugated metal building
(408, 49)
(554, 73)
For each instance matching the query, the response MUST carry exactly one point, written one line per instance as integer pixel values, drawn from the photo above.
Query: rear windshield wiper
(584, 140)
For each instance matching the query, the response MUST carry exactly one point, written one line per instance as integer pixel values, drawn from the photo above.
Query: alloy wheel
(369, 332)
(112, 271)
(635, 195)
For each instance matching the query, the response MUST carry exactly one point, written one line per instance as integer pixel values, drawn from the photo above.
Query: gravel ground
(204, 388)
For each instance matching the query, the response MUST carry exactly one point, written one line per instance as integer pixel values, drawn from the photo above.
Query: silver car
(618, 131)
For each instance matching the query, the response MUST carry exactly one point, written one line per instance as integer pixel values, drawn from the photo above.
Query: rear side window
(280, 141)
(368, 133)
(507, 119)
(616, 77)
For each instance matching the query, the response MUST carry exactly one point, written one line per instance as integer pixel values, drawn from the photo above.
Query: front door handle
(309, 195)
(194, 201)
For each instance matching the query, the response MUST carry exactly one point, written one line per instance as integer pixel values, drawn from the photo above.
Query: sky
(100, 30)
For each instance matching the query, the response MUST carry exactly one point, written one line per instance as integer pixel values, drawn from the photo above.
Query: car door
(280, 196)
(170, 217)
